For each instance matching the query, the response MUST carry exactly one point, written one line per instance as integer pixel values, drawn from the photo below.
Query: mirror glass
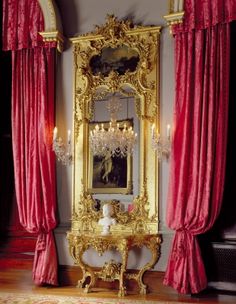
(114, 174)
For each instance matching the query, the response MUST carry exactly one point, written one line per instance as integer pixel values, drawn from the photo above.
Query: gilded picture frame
(141, 82)
(110, 174)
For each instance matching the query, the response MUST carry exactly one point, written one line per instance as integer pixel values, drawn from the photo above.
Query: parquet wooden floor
(20, 281)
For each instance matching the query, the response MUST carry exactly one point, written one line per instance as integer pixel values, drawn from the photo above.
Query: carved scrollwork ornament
(113, 34)
(95, 80)
(90, 86)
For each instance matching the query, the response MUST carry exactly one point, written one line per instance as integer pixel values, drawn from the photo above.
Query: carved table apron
(79, 243)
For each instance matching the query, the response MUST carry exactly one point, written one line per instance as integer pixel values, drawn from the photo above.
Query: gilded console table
(111, 271)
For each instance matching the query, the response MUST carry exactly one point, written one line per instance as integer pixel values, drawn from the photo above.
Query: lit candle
(55, 134)
(168, 131)
(68, 136)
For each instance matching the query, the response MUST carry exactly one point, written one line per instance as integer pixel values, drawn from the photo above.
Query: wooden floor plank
(20, 281)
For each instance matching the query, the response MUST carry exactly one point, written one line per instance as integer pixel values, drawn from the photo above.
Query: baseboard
(69, 276)
(13, 262)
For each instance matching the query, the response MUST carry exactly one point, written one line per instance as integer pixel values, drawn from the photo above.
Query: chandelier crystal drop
(118, 140)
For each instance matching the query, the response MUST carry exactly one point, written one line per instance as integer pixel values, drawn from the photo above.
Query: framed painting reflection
(109, 174)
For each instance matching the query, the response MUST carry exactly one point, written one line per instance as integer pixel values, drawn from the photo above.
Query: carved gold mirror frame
(143, 85)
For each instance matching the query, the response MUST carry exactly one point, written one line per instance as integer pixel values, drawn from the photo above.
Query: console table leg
(143, 287)
(124, 254)
(153, 244)
(92, 282)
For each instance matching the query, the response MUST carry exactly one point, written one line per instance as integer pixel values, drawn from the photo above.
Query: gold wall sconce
(62, 150)
(161, 144)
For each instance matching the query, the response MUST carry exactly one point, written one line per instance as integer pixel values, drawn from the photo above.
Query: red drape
(198, 150)
(201, 14)
(32, 125)
(33, 85)
(22, 20)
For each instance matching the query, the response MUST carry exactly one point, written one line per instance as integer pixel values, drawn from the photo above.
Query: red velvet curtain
(22, 20)
(199, 147)
(33, 84)
(202, 14)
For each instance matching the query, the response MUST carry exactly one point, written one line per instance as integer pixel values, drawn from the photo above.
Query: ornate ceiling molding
(53, 27)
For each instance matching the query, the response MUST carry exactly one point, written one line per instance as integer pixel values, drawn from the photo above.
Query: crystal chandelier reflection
(162, 145)
(62, 151)
(118, 140)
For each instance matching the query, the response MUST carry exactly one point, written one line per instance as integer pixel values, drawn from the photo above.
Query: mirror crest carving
(116, 58)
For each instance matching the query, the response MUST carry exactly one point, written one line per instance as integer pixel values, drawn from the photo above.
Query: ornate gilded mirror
(117, 61)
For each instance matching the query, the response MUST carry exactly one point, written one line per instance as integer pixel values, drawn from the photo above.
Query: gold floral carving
(86, 216)
(135, 222)
(143, 84)
(145, 40)
(112, 270)
(138, 227)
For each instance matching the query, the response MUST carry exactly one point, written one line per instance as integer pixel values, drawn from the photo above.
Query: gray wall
(80, 16)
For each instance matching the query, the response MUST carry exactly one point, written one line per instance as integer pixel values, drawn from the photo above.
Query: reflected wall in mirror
(117, 59)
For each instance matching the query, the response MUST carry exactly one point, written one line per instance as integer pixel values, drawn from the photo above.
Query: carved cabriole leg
(86, 270)
(90, 273)
(123, 249)
(153, 244)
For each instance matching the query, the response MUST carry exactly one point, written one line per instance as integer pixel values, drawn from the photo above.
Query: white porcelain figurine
(107, 219)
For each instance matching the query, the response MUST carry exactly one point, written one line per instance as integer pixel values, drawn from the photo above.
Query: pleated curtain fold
(198, 161)
(33, 98)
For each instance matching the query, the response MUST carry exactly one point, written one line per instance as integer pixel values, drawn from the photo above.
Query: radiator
(221, 266)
